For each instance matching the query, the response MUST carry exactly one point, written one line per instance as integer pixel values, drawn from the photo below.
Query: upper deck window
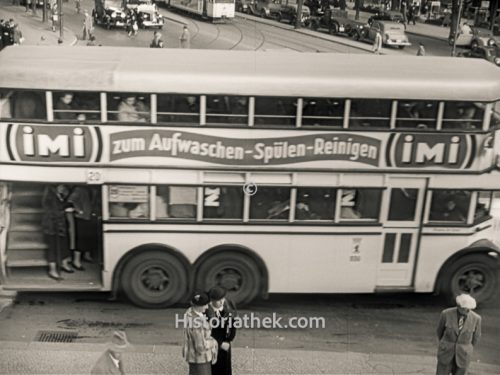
(463, 115)
(275, 110)
(227, 109)
(323, 111)
(417, 114)
(370, 113)
(23, 105)
(178, 108)
(76, 106)
(128, 107)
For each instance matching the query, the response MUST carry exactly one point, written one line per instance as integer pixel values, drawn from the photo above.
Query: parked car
(278, 10)
(393, 33)
(109, 13)
(265, 8)
(464, 37)
(242, 6)
(288, 12)
(491, 54)
(335, 21)
(387, 15)
(483, 37)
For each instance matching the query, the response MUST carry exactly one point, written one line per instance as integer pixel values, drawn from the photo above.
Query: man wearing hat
(199, 348)
(221, 311)
(458, 331)
(110, 362)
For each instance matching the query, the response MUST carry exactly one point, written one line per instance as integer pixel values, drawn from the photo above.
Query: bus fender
(482, 246)
(239, 249)
(145, 248)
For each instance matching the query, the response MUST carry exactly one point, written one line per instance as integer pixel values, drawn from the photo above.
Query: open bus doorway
(26, 249)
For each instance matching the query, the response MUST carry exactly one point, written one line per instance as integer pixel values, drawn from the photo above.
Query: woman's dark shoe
(55, 277)
(79, 268)
(88, 259)
(67, 269)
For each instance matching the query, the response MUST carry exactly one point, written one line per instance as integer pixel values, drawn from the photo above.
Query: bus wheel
(154, 279)
(473, 274)
(237, 273)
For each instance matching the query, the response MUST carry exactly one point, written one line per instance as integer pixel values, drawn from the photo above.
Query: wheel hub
(229, 279)
(471, 281)
(155, 279)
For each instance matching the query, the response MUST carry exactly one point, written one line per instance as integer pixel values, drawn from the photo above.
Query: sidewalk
(35, 32)
(74, 358)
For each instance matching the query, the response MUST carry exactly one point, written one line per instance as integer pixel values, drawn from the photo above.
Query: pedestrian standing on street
(78, 6)
(88, 25)
(412, 13)
(404, 11)
(199, 349)
(421, 49)
(222, 311)
(156, 42)
(458, 332)
(377, 44)
(111, 361)
(54, 16)
(185, 38)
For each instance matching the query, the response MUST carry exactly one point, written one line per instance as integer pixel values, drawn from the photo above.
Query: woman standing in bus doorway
(222, 311)
(55, 228)
(199, 348)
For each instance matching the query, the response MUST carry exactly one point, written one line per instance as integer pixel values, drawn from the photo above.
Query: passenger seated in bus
(64, 108)
(188, 109)
(132, 110)
(5, 104)
(140, 210)
(463, 116)
(451, 212)
(279, 210)
(29, 105)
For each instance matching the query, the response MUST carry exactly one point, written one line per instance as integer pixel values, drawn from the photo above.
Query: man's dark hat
(200, 299)
(217, 293)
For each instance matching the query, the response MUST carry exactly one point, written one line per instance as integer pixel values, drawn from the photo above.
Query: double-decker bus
(261, 172)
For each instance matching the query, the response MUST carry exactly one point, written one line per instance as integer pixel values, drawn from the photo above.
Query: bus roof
(151, 70)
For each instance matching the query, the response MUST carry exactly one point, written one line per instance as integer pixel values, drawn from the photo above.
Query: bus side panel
(308, 263)
(436, 248)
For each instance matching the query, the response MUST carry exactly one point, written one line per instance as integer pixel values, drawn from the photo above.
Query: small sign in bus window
(128, 193)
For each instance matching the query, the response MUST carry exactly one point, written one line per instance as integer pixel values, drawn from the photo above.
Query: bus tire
(154, 279)
(474, 274)
(237, 273)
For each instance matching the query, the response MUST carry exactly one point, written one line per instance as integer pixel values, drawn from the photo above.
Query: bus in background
(260, 172)
(215, 10)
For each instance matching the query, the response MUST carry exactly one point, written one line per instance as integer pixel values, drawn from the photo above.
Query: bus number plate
(94, 176)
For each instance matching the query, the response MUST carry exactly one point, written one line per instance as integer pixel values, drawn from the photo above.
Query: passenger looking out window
(417, 114)
(315, 204)
(131, 109)
(64, 108)
(449, 205)
(463, 115)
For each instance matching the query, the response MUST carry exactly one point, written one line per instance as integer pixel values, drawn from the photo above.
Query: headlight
(497, 60)
(113, 15)
(491, 42)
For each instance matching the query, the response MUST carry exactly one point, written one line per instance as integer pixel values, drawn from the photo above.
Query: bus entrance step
(26, 258)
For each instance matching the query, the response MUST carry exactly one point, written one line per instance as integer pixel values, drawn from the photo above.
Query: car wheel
(334, 28)
(263, 13)
(356, 36)
(474, 44)
(401, 47)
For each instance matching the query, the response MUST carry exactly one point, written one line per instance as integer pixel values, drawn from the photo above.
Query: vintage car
(491, 54)
(148, 15)
(243, 6)
(393, 33)
(482, 37)
(278, 10)
(387, 15)
(288, 12)
(109, 13)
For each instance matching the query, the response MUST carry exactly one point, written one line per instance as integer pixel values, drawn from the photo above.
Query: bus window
(403, 204)
(275, 111)
(449, 205)
(227, 109)
(76, 106)
(315, 204)
(176, 202)
(28, 105)
(323, 111)
(270, 203)
(223, 202)
(5, 103)
(128, 107)
(417, 114)
(483, 205)
(463, 115)
(360, 204)
(128, 201)
(370, 113)
(178, 108)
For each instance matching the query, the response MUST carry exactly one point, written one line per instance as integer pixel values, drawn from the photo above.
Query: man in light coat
(458, 331)
(111, 361)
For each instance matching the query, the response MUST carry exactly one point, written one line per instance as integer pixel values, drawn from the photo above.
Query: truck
(110, 13)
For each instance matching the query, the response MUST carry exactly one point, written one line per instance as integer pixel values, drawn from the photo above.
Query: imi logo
(431, 150)
(53, 143)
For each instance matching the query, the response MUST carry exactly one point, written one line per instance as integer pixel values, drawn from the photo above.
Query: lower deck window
(128, 201)
(449, 206)
(360, 204)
